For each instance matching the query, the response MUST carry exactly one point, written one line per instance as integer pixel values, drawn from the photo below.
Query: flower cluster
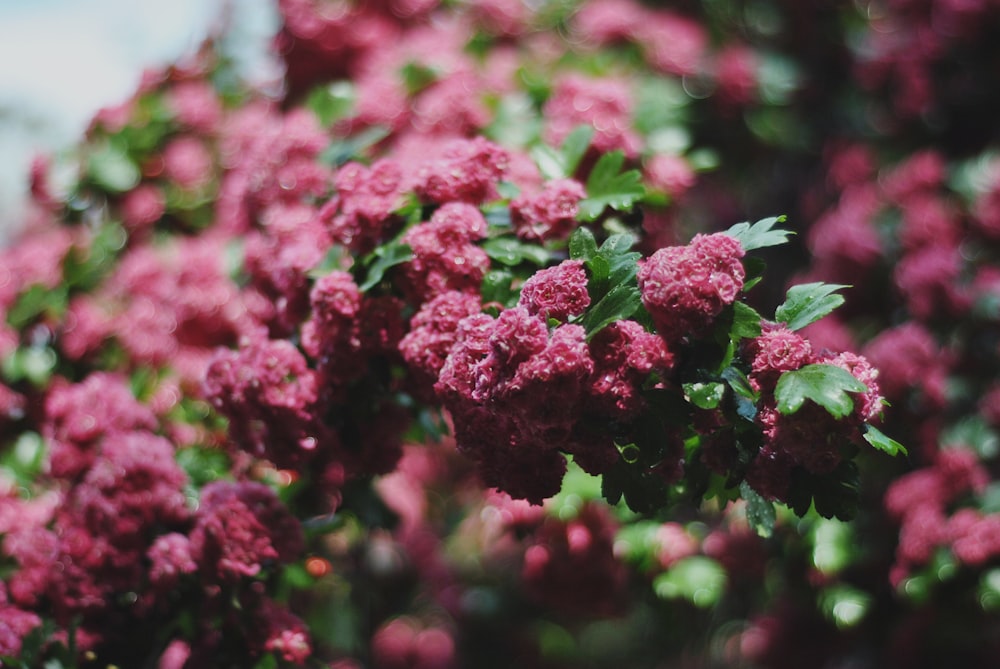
(685, 287)
(445, 352)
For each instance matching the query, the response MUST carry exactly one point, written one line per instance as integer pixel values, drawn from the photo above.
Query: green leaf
(511, 251)
(600, 277)
(660, 102)
(807, 303)
(882, 442)
(698, 579)
(561, 163)
(549, 161)
(515, 121)
(622, 263)
(351, 148)
(417, 76)
(203, 464)
(111, 168)
(268, 661)
(761, 234)
(582, 245)
(33, 363)
(826, 385)
(620, 302)
(746, 322)
(332, 102)
(25, 460)
(34, 302)
(85, 266)
(497, 287)
(844, 605)
(704, 395)
(760, 512)
(836, 495)
(385, 257)
(575, 146)
(607, 186)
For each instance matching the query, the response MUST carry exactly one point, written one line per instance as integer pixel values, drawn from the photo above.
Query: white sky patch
(62, 60)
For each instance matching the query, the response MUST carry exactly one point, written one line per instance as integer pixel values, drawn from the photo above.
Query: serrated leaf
(582, 245)
(386, 257)
(511, 251)
(622, 263)
(761, 234)
(607, 187)
(575, 146)
(738, 381)
(497, 288)
(621, 302)
(351, 148)
(618, 244)
(549, 161)
(746, 322)
(600, 277)
(560, 163)
(760, 512)
(882, 442)
(807, 303)
(704, 395)
(826, 385)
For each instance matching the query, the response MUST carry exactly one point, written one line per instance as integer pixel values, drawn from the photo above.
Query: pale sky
(62, 60)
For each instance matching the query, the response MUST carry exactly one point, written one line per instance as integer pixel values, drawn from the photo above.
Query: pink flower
(453, 106)
(736, 75)
(79, 416)
(404, 642)
(170, 558)
(187, 162)
(195, 104)
(142, 207)
(269, 394)
(284, 633)
(670, 174)
(775, 351)
(672, 43)
(625, 355)
(433, 331)
(468, 171)
(490, 383)
(239, 527)
(608, 21)
(15, 625)
(134, 485)
(361, 214)
(770, 473)
(844, 240)
(444, 257)
(910, 361)
(571, 566)
(557, 292)
(605, 104)
(929, 280)
(685, 287)
(549, 214)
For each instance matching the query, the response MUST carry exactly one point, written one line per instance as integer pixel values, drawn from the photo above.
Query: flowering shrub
(454, 352)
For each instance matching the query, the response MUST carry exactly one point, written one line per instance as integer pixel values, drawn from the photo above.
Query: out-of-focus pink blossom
(548, 214)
